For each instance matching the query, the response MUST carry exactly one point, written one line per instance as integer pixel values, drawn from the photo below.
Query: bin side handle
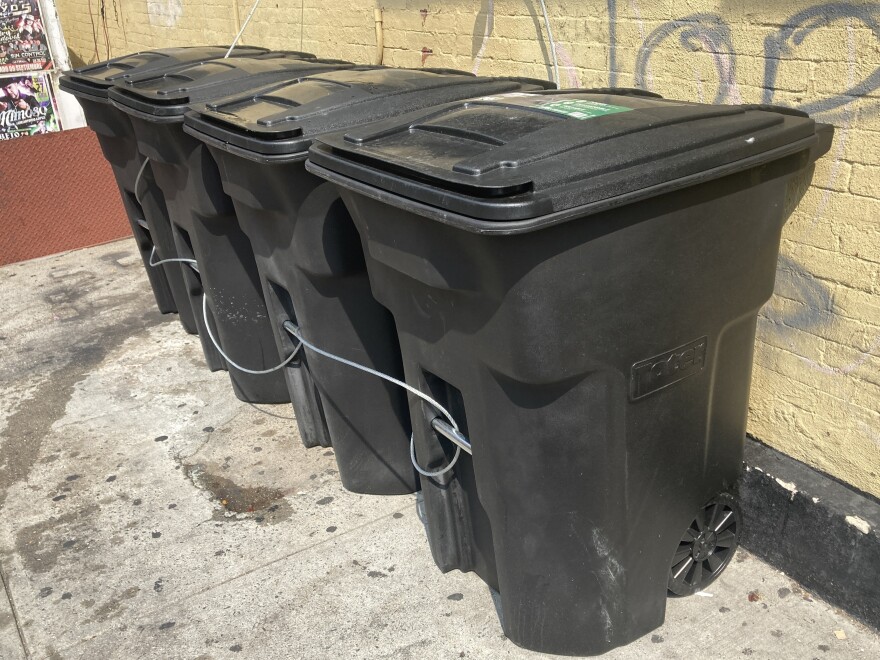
(452, 434)
(448, 430)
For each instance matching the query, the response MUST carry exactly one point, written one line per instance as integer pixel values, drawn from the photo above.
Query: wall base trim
(813, 528)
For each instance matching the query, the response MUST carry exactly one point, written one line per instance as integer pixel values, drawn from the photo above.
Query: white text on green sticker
(582, 109)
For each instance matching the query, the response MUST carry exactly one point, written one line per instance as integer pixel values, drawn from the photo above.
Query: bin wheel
(706, 547)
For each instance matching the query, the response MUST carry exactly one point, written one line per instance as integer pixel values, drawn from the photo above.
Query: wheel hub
(704, 545)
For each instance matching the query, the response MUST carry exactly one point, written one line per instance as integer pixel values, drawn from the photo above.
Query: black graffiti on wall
(798, 27)
(811, 299)
(698, 32)
(710, 33)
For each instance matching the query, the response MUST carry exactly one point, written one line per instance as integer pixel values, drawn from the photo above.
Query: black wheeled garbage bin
(202, 217)
(143, 202)
(576, 277)
(309, 252)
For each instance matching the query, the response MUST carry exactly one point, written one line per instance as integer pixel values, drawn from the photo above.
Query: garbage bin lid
(520, 156)
(95, 80)
(280, 121)
(169, 94)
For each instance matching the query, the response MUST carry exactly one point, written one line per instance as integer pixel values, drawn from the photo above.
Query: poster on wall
(26, 106)
(23, 41)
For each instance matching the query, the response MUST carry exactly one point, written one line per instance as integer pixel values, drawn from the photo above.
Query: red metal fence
(57, 193)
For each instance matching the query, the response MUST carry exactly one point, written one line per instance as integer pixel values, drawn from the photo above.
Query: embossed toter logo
(668, 368)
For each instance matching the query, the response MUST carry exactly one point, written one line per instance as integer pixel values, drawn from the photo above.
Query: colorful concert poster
(26, 106)
(23, 43)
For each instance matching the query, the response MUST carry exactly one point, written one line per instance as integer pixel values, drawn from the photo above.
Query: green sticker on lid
(582, 109)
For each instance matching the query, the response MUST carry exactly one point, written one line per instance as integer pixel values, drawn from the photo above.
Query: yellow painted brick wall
(816, 390)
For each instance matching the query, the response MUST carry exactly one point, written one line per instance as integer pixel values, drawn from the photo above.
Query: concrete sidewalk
(147, 513)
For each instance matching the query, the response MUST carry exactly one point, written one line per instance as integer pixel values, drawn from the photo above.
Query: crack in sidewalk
(18, 627)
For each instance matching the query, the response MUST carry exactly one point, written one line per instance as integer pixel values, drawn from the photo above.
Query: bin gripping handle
(448, 429)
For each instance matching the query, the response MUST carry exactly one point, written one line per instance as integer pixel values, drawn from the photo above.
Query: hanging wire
(243, 27)
(552, 43)
(302, 14)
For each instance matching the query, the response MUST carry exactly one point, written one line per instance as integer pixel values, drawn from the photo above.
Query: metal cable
(137, 181)
(296, 332)
(291, 329)
(255, 372)
(243, 27)
(153, 253)
(552, 43)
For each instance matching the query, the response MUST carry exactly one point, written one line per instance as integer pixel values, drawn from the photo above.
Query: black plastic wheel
(706, 548)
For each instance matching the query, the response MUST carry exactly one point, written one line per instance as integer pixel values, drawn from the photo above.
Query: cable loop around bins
(152, 263)
(255, 372)
(420, 469)
(296, 332)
